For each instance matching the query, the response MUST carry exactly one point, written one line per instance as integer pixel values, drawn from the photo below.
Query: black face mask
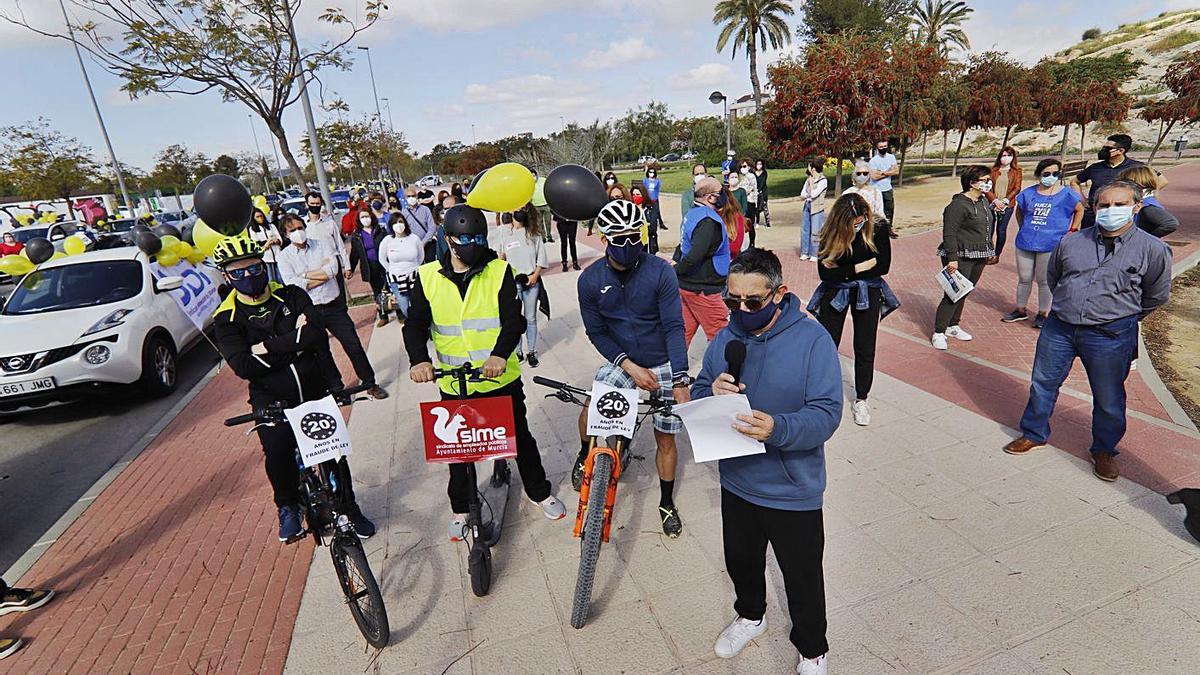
(470, 254)
(314, 209)
(1105, 154)
(881, 151)
(251, 285)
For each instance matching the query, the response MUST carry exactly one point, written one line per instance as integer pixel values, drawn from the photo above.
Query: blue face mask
(1049, 181)
(625, 255)
(1114, 218)
(752, 322)
(252, 285)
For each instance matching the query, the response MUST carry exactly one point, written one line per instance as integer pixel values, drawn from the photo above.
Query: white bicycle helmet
(619, 217)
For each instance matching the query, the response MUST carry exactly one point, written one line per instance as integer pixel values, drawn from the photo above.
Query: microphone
(735, 356)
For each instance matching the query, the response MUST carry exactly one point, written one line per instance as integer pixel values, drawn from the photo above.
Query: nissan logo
(15, 363)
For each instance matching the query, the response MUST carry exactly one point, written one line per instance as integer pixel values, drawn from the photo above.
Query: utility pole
(318, 160)
(262, 160)
(99, 118)
(375, 92)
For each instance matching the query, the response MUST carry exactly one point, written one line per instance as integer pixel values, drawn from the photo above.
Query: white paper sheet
(709, 423)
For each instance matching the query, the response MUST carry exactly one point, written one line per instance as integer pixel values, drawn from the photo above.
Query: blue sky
(506, 66)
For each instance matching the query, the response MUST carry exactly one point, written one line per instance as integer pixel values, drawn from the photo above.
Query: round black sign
(613, 406)
(318, 426)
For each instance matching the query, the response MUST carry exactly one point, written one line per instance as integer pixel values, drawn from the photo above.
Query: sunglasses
(623, 240)
(467, 239)
(1056, 174)
(862, 173)
(752, 303)
(251, 271)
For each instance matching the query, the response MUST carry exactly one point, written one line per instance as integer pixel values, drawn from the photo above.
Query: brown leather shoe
(1021, 446)
(1104, 465)
(377, 392)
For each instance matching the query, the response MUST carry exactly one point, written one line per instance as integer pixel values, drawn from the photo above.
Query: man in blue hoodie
(631, 312)
(793, 379)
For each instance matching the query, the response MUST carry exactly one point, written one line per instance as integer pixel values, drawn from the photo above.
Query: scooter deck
(494, 490)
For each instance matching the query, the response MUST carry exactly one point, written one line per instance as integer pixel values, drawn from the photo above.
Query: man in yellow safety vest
(467, 303)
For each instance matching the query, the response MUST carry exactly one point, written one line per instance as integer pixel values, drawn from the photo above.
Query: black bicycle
(598, 491)
(480, 533)
(322, 489)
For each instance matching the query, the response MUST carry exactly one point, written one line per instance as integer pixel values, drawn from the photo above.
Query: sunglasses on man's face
(243, 272)
(468, 239)
(751, 303)
(623, 240)
(1056, 174)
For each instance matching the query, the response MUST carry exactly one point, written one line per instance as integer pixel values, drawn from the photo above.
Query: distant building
(745, 105)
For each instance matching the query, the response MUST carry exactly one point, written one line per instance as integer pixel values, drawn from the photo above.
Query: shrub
(1091, 33)
(1175, 40)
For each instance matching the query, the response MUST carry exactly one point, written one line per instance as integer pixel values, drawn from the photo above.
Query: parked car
(670, 157)
(430, 181)
(56, 232)
(184, 220)
(101, 318)
(647, 159)
(690, 154)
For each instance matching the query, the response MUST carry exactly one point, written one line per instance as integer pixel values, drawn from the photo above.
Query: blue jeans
(806, 231)
(529, 299)
(403, 302)
(1105, 352)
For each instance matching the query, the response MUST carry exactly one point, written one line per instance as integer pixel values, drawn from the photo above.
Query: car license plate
(26, 386)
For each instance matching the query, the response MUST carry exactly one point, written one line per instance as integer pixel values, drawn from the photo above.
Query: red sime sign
(469, 430)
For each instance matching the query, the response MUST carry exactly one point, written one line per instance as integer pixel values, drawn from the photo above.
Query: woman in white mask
(862, 186)
(364, 250)
(401, 253)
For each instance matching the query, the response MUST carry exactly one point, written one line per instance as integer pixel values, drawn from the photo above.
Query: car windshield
(124, 225)
(24, 235)
(71, 286)
(169, 217)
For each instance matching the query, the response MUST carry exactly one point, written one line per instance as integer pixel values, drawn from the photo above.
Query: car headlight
(113, 320)
(97, 354)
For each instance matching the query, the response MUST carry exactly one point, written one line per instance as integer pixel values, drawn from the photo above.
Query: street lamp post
(563, 122)
(258, 149)
(375, 92)
(99, 118)
(473, 141)
(715, 98)
(388, 104)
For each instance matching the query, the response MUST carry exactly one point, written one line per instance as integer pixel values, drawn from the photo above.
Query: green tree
(939, 23)
(38, 162)
(1182, 79)
(1081, 91)
(646, 130)
(246, 50)
(753, 25)
(226, 165)
(872, 17)
(178, 168)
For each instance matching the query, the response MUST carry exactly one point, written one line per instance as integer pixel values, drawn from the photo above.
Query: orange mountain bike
(598, 492)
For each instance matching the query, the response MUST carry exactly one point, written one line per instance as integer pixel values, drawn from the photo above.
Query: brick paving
(1164, 456)
(175, 567)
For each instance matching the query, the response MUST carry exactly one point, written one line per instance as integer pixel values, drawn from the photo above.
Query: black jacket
(358, 251)
(297, 365)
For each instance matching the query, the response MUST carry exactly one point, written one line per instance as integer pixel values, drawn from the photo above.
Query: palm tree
(753, 24)
(939, 23)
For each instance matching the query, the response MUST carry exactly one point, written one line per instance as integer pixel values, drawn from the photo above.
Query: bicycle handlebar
(569, 394)
(274, 412)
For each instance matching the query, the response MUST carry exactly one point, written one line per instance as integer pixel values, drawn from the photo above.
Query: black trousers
(567, 229)
(866, 333)
(529, 458)
(338, 322)
(889, 205)
(798, 539)
(279, 449)
(948, 313)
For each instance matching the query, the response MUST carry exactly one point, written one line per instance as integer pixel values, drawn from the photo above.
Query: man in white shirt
(309, 264)
(322, 227)
(883, 167)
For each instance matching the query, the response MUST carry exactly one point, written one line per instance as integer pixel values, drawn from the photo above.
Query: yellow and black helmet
(231, 249)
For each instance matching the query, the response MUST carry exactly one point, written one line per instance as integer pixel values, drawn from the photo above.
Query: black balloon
(574, 193)
(164, 230)
(148, 242)
(140, 227)
(39, 250)
(223, 203)
(474, 181)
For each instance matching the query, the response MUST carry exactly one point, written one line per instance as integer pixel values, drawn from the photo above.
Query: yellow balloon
(58, 255)
(24, 254)
(183, 249)
(505, 187)
(15, 265)
(74, 246)
(196, 257)
(167, 259)
(169, 241)
(205, 237)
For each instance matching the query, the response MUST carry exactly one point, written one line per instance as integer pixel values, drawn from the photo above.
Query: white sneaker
(959, 333)
(552, 508)
(1133, 364)
(862, 413)
(458, 524)
(939, 341)
(737, 635)
(817, 666)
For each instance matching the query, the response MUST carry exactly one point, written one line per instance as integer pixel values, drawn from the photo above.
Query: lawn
(780, 182)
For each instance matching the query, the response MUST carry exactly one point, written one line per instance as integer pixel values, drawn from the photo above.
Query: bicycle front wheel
(361, 589)
(593, 533)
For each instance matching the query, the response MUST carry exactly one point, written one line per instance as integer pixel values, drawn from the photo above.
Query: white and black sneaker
(737, 635)
(23, 600)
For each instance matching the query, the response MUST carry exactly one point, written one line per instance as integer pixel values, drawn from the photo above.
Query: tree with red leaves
(993, 85)
(832, 103)
(913, 72)
(1081, 91)
(1183, 105)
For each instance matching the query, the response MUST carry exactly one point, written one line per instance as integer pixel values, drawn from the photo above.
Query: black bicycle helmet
(463, 219)
(235, 248)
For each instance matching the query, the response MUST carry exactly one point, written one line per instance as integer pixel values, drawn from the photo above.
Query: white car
(647, 159)
(428, 181)
(77, 324)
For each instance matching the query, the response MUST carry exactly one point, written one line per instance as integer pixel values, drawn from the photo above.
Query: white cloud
(515, 90)
(703, 75)
(618, 54)
(466, 15)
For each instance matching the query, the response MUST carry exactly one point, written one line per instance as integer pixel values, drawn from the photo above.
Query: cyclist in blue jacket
(632, 315)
